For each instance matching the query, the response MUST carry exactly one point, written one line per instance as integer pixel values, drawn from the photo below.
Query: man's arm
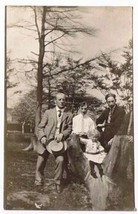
(74, 125)
(102, 117)
(100, 122)
(68, 131)
(41, 126)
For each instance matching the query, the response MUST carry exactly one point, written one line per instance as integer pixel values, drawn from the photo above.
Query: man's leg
(40, 166)
(59, 169)
(66, 171)
(105, 145)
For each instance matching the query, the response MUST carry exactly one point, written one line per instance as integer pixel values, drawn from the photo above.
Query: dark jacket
(110, 128)
(127, 126)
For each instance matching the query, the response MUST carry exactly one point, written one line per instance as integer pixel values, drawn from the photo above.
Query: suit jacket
(111, 128)
(48, 124)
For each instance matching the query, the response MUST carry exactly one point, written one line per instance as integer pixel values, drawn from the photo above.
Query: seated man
(55, 124)
(112, 118)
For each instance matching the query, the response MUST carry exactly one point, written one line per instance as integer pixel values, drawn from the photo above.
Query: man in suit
(56, 124)
(110, 120)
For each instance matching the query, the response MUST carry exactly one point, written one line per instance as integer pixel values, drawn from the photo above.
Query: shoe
(58, 188)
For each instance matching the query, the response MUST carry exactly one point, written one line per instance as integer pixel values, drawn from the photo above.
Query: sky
(114, 26)
(114, 30)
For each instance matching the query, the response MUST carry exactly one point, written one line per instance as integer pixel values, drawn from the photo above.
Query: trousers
(41, 164)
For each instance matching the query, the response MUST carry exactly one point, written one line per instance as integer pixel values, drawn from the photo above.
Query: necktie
(109, 116)
(59, 113)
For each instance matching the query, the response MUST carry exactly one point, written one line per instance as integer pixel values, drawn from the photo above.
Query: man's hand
(82, 133)
(110, 142)
(43, 141)
(100, 127)
(83, 140)
(59, 137)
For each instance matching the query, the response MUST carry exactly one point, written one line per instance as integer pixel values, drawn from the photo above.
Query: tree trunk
(98, 188)
(40, 66)
(49, 93)
(41, 35)
(40, 75)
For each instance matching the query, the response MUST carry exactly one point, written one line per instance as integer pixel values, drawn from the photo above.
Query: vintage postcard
(69, 107)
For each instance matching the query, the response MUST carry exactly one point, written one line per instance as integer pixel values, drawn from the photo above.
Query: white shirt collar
(83, 115)
(57, 109)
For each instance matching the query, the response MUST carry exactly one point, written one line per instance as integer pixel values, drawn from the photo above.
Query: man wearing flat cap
(110, 121)
(54, 128)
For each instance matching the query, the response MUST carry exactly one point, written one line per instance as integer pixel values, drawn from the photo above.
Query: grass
(21, 194)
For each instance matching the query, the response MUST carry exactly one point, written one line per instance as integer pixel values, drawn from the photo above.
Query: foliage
(72, 80)
(25, 110)
(10, 83)
(52, 27)
(55, 69)
(111, 76)
(127, 73)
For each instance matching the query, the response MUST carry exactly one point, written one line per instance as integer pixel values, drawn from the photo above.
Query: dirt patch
(29, 199)
(21, 194)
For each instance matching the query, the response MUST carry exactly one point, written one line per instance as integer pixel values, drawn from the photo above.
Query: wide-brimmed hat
(56, 148)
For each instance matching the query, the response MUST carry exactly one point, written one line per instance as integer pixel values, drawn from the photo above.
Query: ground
(20, 192)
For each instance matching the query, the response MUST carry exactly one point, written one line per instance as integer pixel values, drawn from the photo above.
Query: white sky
(115, 29)
(114, 26)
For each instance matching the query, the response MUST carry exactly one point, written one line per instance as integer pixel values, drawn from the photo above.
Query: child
(94, 152)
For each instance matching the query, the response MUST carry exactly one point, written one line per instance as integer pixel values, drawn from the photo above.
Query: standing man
(56, 124)
(112, 118)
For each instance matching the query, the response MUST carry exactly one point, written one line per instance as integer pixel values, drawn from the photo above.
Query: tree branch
(55, 39)
(36, 24)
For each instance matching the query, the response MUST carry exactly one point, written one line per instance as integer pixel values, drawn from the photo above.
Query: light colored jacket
(48, 124)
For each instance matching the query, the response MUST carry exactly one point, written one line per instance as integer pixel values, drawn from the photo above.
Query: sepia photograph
(69, 108)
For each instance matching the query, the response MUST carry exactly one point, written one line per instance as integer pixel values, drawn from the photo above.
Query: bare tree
(53, 26)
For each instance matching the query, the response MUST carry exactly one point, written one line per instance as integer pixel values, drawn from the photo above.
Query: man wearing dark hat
(53, 130)
(110, 121)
